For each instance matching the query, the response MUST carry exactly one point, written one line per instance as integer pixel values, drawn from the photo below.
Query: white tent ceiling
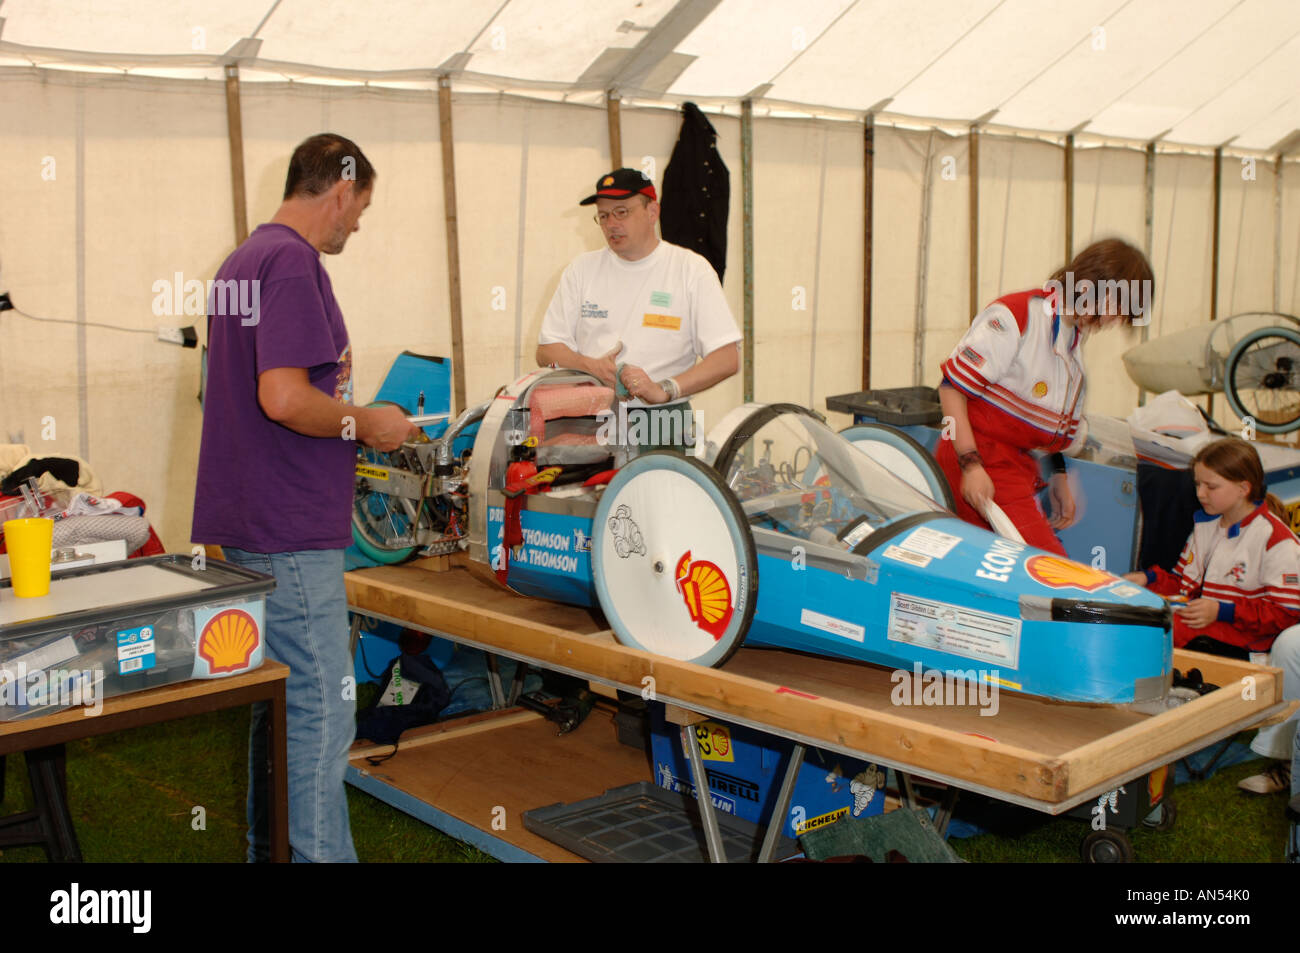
(1201, 73)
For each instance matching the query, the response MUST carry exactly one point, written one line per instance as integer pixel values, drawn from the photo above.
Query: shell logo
(1066, 574)
(607, 180)
(1156, 785)
(228, 640)
(1040, 389)
(707, 594)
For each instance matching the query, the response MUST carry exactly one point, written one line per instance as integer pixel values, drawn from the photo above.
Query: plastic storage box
(122, 627)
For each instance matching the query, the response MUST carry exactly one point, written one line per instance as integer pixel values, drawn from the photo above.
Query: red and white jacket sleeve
(984, 355)
(1182, 580)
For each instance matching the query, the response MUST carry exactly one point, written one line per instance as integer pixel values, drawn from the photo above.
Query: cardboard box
(745, 769)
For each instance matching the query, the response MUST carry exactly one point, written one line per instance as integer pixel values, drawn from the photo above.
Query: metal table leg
(494, 682)
(517, 685)
(943, 815)
(908, 795)
(355, 635)
(777, 824)
(712, 836)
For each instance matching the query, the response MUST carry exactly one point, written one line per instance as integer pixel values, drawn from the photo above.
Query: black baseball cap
(620, 184)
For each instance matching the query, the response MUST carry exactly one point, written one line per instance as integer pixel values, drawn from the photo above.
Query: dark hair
(1113, 261)
(322, 160)
(1237, 461)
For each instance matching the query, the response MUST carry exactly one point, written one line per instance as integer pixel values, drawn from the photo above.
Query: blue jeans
(306, 629)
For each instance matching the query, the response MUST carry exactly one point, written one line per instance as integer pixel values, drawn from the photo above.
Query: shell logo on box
(229, 640)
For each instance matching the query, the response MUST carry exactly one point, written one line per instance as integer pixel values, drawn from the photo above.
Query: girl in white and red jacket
(1238, 571)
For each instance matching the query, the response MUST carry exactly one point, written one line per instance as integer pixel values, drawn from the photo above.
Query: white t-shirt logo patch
(590, 310)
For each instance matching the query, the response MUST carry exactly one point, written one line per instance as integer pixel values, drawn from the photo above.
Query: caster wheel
(1107, 847)
(673, 560)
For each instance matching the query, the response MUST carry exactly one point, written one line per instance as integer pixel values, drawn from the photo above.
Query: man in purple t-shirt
(276, 470)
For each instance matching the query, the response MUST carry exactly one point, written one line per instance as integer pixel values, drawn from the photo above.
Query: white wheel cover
(663, 519)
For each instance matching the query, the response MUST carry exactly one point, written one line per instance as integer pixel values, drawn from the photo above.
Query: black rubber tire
(1107, 847)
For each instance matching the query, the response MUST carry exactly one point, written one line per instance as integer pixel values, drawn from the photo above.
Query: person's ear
(340, 192)
(652, 209)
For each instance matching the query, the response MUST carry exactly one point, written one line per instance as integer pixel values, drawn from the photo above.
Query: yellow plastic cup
(29, 542)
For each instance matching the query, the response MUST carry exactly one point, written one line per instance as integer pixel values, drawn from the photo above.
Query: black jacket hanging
(696, 191)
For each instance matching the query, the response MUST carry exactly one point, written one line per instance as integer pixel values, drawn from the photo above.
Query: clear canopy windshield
(798, 477)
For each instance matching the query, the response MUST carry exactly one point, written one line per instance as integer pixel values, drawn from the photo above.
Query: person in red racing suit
(1015, 384)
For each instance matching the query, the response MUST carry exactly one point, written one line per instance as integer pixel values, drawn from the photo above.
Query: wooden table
(43, 739)
(1036, 753)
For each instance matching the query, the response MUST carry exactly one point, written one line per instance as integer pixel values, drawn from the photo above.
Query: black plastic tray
(640, 823)
(900, 406)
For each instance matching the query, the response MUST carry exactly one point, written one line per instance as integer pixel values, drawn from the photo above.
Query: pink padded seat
(567, 400)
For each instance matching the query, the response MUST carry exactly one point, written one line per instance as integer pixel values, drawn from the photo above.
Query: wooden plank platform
(1037, 753)
(485, 771)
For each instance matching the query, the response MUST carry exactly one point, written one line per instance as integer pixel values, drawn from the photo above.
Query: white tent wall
(39, 374)
(141, 204)
(1289, 259)
(1109, 202)
(151, 199)
(540, 158)
(947, 313)
(808, 245)
(896, 206)
(1022, 214)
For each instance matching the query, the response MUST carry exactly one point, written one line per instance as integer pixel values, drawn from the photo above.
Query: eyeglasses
(617, 213)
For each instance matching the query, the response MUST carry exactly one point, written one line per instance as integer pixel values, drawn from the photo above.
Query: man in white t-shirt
(645, 316)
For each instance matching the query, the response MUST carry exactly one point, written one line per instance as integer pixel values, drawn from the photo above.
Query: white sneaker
(1277, 777)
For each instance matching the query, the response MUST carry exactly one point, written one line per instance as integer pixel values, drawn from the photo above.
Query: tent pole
(235, 128)
(1069, 198)
(974, 307)
(453, 240)
(868, 231)
(747, 237)
(923, 265)
(615, 129)
(1214, 252)
(1148, 233)
(1277, 232)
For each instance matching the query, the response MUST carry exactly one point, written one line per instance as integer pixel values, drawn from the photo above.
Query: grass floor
(133, 797)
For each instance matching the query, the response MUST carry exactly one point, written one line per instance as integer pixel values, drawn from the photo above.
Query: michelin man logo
(863, 788)
(1111, 799)
(627, 537)
(666, 779)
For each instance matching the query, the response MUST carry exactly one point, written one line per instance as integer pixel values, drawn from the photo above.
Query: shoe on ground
(1276, 778)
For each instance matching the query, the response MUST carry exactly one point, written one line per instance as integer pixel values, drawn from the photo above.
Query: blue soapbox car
(774, 531)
